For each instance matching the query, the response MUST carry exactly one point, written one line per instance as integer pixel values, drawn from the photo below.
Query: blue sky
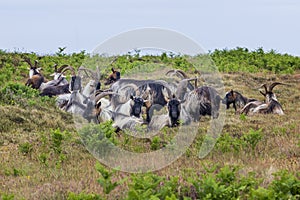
(43, 26)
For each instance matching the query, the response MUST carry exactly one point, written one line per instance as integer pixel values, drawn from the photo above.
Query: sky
(43, 26)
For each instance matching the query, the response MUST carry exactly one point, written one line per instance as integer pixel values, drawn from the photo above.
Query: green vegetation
(243, 60)
(42, 155)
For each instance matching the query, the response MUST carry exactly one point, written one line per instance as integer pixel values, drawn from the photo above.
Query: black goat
(236, 99)
(55, 90)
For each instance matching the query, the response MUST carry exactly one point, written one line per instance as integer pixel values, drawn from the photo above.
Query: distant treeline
(226, 60)
(241, 59)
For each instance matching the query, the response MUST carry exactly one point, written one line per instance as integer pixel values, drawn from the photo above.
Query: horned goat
(270, 105)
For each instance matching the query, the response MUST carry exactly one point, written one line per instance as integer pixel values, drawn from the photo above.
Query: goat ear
(173, 96)
(113, 70)
(131, 97)
(231, 91)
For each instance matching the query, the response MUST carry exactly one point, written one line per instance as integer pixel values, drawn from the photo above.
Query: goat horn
(71, 69)
(55, 67)
(93, 75)
(179, 73)
(27, 60)
(61, 68)
(265, 86)
(101, 95)
(273, 85)
(196, 83)
(36, 63)
(264, 94)
(192, 79)
(136, 88)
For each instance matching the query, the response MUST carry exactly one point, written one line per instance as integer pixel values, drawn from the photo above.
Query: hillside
(256, 157)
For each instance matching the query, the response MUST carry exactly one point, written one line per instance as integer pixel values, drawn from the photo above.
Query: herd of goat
(185, 102)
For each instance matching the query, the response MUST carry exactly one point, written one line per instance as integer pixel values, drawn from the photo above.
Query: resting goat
(176, 114)
(57, 88)
(142, 88)
(35, 77)
(271, 104)
(123, 122)
(236, 99)
(59, 78)
(132, 107)
(199, 102)
(126, 116)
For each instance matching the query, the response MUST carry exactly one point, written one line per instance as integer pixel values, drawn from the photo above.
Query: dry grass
(26, 176)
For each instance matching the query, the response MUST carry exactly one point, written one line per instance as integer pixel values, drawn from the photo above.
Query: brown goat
(35, 77)
(116, 75)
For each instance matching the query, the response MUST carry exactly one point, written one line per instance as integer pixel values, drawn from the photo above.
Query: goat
(94, 84)
(58, 78)
(271, 104)
(132, 107)
(199, 102)
(124, 118)
(202, 101)
(58, 72)
(57, 89)
(176, 114)
(237, 99)
(35, 79)
(126, 87)
(115, 76)
(103, 111)
(181, 88)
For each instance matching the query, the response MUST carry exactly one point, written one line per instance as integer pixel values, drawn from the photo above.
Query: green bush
(25, 148)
